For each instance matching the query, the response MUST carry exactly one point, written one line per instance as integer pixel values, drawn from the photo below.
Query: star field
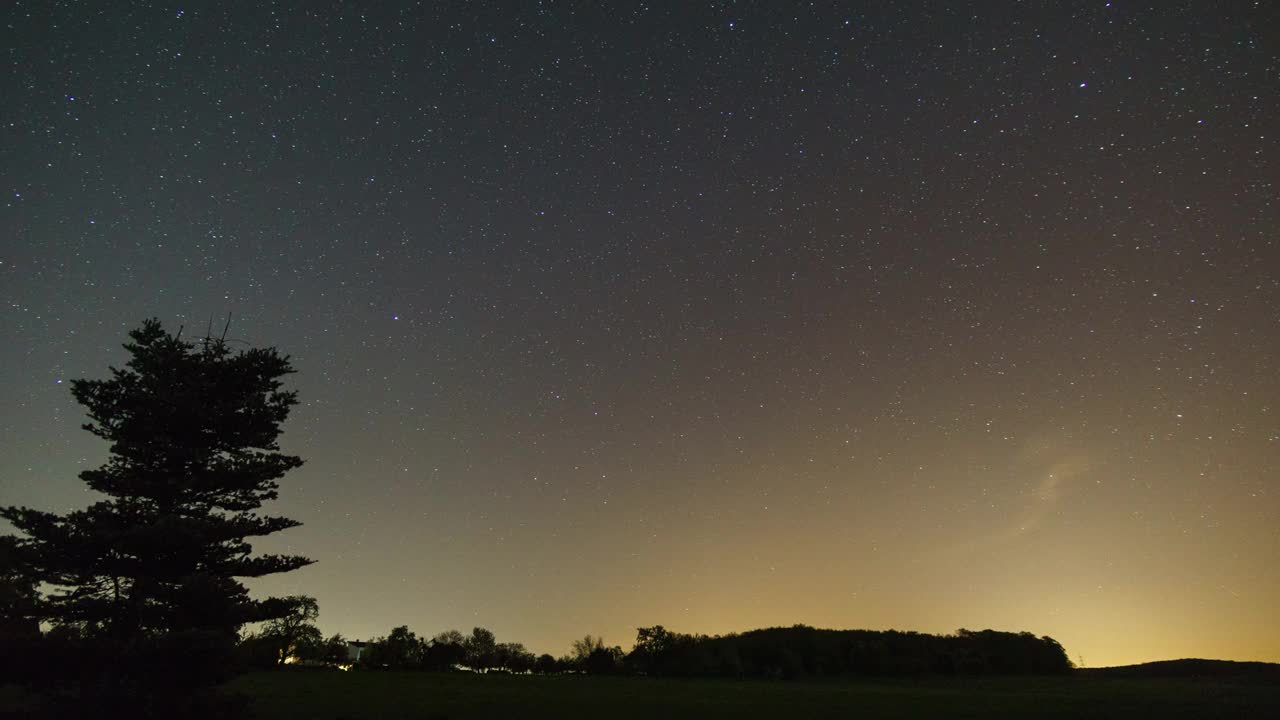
(719, 316)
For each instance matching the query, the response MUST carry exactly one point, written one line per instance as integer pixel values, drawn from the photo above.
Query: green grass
(330, 695)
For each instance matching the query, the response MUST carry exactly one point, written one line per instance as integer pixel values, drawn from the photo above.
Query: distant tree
(652, 645)
(309, 646)
(545, 664)
(400, 650)
(335, 650)
(151, 570)
(580, 650)
(295, 627)
(449, 637)
(592, 655)
(481, 646)
(257, 652)
(445, 651)
(603, 661)
(513, 657)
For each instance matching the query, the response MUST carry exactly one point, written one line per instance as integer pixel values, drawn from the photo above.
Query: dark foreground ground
(329, 695)
(333, 695)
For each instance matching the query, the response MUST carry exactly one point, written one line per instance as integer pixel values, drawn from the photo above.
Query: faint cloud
(1053, 470)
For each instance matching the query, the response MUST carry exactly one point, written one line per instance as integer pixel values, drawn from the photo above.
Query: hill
(1193, 668)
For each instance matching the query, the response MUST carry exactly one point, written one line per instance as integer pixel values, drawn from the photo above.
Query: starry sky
(712, 315)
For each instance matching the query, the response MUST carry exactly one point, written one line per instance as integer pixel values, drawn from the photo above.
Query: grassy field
(330, 695)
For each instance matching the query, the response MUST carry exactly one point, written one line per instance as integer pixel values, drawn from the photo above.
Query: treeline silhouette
(802, 651)
(401, 649)
(793, 652)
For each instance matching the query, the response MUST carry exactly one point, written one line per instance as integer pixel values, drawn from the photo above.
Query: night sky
(713, 315)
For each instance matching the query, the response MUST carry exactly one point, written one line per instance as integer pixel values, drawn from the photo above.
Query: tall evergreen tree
(193, 431)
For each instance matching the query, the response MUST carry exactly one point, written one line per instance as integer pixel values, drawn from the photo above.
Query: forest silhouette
(782, 653)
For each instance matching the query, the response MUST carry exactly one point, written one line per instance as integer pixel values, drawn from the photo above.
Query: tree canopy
(192, 429)
(294, 633)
